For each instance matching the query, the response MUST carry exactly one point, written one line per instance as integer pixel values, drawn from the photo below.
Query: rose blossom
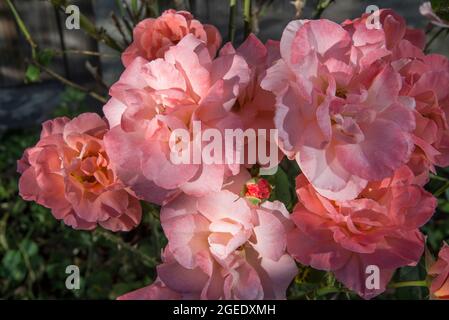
(153, 37)
(425, 78)
(69, 172)
(439, 272)
(341, 118)
(152, 99)
(221, 247)
(255, 107)
(392, 41)
(378, 228)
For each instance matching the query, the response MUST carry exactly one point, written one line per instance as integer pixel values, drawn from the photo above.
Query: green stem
(85, 52)
(442, 190)
(247, 16)
(72, 84)
(232, 14)
(404, 284)
(435, 36)
(150, 261)
(23, 28)
(435, 177)
(326, 290)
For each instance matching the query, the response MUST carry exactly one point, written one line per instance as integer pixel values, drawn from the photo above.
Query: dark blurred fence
(48, 29)
(22, 105)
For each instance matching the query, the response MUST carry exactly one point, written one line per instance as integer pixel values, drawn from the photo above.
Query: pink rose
(69, 172)
(393, 40)
(342, 118)
(423, 77)
(153, 37)
(378, 228)
(424, 80)
(255, 107)
(152, 99)
(439, 272)
(221, 247)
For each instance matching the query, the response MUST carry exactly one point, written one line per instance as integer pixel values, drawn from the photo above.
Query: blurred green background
(35, 249)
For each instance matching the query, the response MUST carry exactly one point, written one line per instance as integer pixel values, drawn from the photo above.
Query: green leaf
(281, 190)
(411, 274)
(123, 287)
(32, 73)
(44, 56)
(134, 6)
(14, 265)
(18, 207)
(72, 95)
(29, 247)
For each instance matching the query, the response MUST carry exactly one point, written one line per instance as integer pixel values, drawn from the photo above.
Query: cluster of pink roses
(363, 111)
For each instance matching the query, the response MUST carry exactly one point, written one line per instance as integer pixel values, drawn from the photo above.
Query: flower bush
(362, 112)
(69, 171)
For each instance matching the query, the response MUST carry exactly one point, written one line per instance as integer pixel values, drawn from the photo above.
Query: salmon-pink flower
(391, 41)
(425, 78)
(342, 119)
(153, 37)
(422, 75)
(255, 107)
(379, 228)
(221, 247)
(69, 172)
(152, 99)
(439, 272)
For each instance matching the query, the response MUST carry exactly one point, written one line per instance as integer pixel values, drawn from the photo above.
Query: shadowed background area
(22, 106)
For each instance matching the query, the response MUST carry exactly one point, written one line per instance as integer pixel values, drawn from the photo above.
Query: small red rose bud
(258, 189)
